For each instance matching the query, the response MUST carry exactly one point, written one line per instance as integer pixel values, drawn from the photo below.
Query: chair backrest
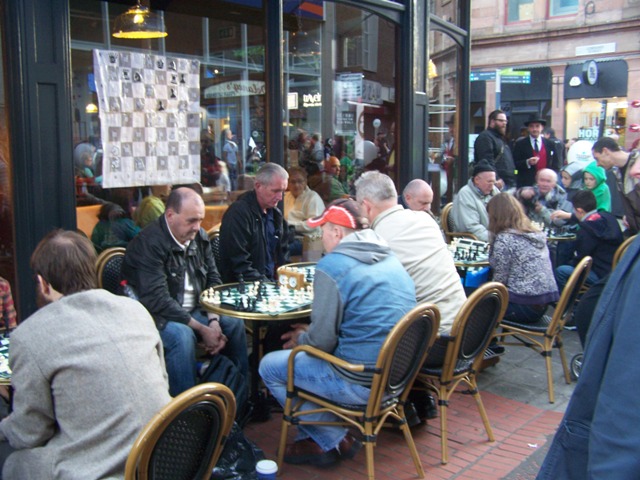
(474, 326)
(108, 266)
(402, 354)
(214, 239)
(449, 229)
(184, 440)
(564, 307)
(620, 251)
(446, 223)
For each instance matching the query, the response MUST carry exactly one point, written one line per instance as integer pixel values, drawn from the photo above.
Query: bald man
(417, 196)
(168, 265)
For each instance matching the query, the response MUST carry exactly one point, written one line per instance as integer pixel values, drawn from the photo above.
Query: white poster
(149, 118)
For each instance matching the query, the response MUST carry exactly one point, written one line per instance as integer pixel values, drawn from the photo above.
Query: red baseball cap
(344, 212)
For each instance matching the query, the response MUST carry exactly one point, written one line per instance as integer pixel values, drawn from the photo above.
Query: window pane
(563, 7)
(520, 10)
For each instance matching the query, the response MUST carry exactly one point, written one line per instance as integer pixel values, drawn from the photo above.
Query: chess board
(5, 371)
(468, 251)
(149, 107)
(258, 298)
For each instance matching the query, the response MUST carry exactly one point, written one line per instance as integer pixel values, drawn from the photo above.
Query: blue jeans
(563, 272)
(315, 376)
(179, 342)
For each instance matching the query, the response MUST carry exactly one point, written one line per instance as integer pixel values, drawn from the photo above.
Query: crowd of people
(375, 241)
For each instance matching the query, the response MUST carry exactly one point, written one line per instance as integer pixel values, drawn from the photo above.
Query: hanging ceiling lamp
(138, 22)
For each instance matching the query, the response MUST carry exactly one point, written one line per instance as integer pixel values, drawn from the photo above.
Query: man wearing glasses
(491, 145)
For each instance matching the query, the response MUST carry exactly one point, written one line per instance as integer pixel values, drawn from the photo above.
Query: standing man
(448, 160)
(491, 145)
(534, 153)
(469, 211)
(169, 264)
(417, 195)
(550, 134)
(253, 234)
(360, 292)
(610, 156)
(598, 436)
(88, 372)
(231, 158)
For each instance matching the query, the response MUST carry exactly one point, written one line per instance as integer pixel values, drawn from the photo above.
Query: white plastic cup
(266, 470)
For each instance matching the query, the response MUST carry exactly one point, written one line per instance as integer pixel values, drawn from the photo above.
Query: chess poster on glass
(149, 118)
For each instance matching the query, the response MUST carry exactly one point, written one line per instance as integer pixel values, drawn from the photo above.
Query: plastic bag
(238, 459)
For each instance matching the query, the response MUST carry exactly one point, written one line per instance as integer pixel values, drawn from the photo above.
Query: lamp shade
(138, 23)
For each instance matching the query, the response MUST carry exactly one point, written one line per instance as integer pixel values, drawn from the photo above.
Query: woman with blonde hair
(519, 259)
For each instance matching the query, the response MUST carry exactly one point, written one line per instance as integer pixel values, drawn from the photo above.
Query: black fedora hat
(535, 119)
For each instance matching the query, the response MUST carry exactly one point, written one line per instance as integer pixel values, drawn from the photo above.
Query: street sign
(507, 75)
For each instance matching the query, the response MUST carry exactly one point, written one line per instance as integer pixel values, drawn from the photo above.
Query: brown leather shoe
(309, 452)
(349, 446)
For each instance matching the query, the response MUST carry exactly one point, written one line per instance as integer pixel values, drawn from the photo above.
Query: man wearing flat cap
(534, 153)
(352, 314)
(469, 211)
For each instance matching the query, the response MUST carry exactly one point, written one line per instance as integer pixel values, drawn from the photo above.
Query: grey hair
(375, 186)
(269, 171)
(415, 186)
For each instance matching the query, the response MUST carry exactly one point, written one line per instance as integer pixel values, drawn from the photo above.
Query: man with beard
(491, 146)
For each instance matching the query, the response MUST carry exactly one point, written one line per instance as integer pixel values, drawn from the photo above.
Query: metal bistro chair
(185, 439)
(446, 223)
(108, 266)
(400, 357)
(546, 334)
(470, 335)
(621, 250)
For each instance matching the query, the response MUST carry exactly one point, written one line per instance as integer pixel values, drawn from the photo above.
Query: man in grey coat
(88, 372)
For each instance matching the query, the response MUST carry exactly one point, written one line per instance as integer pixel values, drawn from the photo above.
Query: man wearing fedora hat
(534, 153)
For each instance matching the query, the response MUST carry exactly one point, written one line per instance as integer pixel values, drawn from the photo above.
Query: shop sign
(349, 86)
(371, 92)
(346, 123)
(588, 133)
(240, 88)
(311, 100)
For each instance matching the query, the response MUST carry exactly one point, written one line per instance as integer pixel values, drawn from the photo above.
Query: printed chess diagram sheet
(150, 124)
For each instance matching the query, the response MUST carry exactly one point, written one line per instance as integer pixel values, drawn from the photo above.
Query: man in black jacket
(534, 153)
(253, 234)
(491, 146)
(168, 265)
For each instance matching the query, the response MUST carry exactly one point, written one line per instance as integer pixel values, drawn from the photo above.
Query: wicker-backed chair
(108, 266)
(184, 440)
(471, 332)
(399, 360)
(620, 251)
(214, 239)
(446, 223)
(546, 334)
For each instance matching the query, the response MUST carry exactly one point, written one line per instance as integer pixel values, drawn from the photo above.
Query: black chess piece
(241, 284)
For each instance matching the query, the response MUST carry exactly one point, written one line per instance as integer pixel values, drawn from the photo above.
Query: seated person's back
(88, 371)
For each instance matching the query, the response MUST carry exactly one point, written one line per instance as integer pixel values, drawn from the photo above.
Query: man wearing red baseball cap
(351, 316)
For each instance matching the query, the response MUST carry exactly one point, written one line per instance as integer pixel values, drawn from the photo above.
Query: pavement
(514, 393)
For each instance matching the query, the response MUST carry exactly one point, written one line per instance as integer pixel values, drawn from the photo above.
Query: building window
(563, 7)
(520, 10)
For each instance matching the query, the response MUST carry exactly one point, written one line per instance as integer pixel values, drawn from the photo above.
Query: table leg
(261, 410)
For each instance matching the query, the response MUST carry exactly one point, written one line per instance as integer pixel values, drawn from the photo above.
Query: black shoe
(425, 405)
(411, 414)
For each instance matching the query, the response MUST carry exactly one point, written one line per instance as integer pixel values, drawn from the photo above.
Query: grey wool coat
(88, 374)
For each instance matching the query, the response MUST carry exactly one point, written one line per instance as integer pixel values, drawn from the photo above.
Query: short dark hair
(606, 142)
(66, 260)
(550, 131)
(585, 199)
(493, 115)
